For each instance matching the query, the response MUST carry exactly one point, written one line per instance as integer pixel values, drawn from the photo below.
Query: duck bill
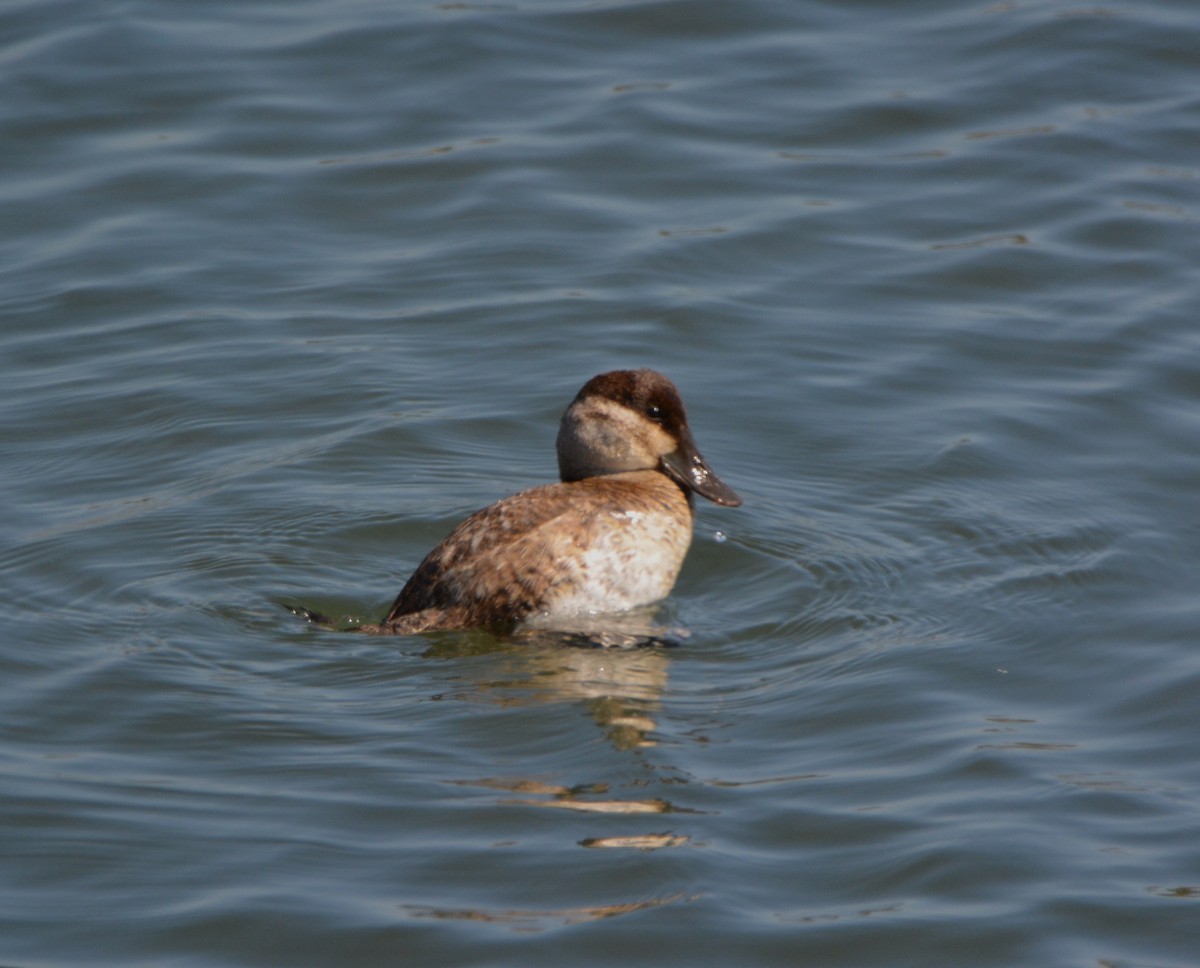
(689, 468)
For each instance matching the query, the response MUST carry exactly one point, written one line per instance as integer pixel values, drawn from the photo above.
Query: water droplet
(719, 537)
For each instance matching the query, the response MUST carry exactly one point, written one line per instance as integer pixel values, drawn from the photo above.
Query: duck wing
(497, 565)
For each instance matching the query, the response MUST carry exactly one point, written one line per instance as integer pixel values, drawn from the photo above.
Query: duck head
(634, 420)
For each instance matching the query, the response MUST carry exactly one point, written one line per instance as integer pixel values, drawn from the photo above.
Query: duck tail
(313, 618)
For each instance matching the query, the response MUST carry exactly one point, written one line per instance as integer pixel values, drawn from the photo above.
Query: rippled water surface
(288, 288)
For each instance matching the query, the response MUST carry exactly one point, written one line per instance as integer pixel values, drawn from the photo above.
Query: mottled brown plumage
(515, 558)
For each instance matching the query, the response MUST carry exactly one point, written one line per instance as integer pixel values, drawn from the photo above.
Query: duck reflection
(618, 670)
(621, 687)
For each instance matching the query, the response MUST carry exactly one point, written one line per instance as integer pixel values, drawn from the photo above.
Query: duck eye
(654, 412)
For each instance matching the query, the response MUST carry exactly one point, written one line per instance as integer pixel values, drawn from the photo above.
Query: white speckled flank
(634, 563)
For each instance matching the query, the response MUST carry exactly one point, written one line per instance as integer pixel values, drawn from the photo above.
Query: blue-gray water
(287, 288)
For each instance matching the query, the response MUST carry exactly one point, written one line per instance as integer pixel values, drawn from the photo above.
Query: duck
(610, 536)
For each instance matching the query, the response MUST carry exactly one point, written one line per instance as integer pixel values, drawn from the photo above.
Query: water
(289, 288)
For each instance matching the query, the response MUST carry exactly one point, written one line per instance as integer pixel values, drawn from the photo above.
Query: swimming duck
(610, 536)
